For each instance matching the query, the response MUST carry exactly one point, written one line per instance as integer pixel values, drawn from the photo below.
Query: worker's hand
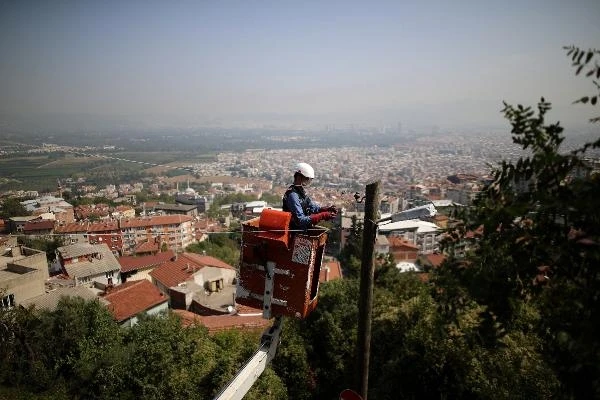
(331, 209)
(322, 216)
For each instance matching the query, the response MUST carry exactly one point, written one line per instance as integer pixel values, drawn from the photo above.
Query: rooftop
(155, 220)
(49, 301)
(132, 298)
(172, 273)
(130, 263)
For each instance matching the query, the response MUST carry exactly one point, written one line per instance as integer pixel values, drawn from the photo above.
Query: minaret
(59, 187)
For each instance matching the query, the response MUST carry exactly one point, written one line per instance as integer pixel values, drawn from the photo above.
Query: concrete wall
(25, 275)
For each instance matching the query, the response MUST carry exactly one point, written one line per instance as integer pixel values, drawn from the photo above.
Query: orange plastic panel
(296, 274)
(274, 224)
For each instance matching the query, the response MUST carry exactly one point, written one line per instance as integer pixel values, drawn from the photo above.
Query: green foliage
(271, 199)
(292, 363)
(351, 254)
(12, 207)
(582, 60)
(237, 348)
(329, 334)
(79, 352)
(539, 249)
(221, 246)
(164, 360)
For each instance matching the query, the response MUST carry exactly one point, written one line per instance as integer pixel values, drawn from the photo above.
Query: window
(8, 301)
(84, 279)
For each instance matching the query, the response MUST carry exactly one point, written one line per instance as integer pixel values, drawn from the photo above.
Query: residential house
(73, 233)
(389, 205)
(130, 299)
(148, 248)
(38, 227)
(175, 230)
(106, 232)
(90, 264)
(463, 194)
(138, 268)
(94, 233)
(423, 234)
(17, 224)
(23, 272)
(201, 227)
(98, 211)
(123, 211)
(177, 209)
(382, 245)
(198, 283)
(49, 300)
(61, 211)
(402, 250)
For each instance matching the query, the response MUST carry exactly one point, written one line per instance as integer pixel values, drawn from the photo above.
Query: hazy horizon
(152, 64)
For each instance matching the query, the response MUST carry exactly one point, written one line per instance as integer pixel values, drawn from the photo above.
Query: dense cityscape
(299, 201)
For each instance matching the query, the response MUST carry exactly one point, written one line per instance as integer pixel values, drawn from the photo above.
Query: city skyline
(151, 64)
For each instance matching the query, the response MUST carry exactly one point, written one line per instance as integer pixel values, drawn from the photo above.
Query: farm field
(41, 171)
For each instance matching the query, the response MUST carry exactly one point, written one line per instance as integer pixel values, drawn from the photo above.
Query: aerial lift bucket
(279, 270)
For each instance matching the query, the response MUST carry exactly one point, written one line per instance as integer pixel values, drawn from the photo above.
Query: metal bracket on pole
(269, 285)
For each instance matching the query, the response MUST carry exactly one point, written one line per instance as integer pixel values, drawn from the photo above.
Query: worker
(305, 212)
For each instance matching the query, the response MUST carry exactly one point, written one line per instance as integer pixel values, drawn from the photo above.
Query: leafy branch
(586, 60)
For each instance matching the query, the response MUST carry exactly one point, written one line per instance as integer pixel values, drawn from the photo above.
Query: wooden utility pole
(365, 306)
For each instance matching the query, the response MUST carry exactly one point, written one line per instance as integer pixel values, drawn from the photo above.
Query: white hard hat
(306, 170)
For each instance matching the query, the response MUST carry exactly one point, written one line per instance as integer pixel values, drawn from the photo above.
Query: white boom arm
(237, 388)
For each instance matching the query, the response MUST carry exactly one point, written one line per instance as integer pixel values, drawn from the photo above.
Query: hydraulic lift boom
(237, 388)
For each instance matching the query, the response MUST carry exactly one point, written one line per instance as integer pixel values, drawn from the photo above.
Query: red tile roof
(172, 273)
(132, 298)
(207, 261)
(74, 227)
(129, 263)
(38, 225)
(398, 242)
(103, 226)
(335, 271)
(216, 323)
(146, 247)
(435, 259)
(152, 221)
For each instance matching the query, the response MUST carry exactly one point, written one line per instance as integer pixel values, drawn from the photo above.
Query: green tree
(329, 336)
(12, 207)
(47, 244)
(351, 254)
(272, 199)
(221, 246)
(539, 246)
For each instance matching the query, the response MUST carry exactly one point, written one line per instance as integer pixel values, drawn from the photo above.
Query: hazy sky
(448, 61)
